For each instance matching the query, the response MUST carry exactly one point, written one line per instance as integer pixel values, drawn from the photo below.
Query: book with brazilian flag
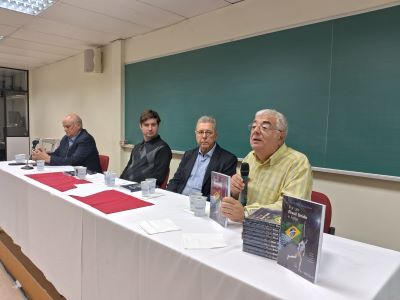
(300, 237)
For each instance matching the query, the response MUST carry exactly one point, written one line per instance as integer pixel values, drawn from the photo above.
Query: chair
(49, 144)
(323, 199)
(104, 160)
(163, 184)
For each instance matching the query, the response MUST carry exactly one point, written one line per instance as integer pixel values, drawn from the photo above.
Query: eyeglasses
(264, 126)
(207, 133)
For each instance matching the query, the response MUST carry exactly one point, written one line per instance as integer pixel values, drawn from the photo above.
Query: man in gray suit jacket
(194, 171)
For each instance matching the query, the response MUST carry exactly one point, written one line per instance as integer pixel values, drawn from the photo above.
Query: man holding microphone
(274, 169)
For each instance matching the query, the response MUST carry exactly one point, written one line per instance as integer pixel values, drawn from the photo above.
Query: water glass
(80, 172)
(145, 187)
(109, 178)
(192, 197)
(200, 206)
(20, 158)
(152, 185)
(40, 165)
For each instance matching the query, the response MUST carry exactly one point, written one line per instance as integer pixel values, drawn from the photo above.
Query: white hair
(208, 119)
(281, 121)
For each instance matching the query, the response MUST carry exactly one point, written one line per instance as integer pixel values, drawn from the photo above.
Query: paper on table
(119, 181)
(99, 178)
(87, 189)
(95, 178)
(158, 226)
(59, 168)
(203, 240)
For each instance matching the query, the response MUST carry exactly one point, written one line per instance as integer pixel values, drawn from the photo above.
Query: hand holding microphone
(237, 185)
(39, 153)
(34, 144)
(27, 166)
(230, 207)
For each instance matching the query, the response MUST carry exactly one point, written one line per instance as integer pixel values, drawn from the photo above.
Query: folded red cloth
(57, 180)
(112, 201)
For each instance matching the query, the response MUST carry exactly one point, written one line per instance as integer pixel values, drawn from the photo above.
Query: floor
(8, 289)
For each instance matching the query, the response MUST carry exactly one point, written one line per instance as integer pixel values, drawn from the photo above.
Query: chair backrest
(49, 144)
(323, 199)
(163, 184)
(104, 160)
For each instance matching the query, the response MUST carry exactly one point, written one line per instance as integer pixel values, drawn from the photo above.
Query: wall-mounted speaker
(92, 60)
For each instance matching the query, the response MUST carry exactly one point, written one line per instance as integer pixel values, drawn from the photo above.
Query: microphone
(34, 144)
(244, 172)
(27, 166)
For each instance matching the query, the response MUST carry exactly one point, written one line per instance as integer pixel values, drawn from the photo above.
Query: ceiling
(70, 26)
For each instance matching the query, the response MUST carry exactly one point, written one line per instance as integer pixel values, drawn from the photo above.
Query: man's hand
(40, 154)
(237, 185)
(232, 209)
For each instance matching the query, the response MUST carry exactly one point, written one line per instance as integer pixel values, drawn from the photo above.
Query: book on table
(300, 237)
(261, 232)
(220, 188)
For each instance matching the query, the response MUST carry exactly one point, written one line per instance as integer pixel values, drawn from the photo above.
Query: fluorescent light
(30, 7)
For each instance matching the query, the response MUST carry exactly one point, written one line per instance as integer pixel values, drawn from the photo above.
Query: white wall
(364, 209)
(64, 87)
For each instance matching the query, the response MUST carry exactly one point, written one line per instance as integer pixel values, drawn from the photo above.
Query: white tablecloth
(89, 255)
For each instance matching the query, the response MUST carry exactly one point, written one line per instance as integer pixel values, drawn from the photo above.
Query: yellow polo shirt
(287, 171)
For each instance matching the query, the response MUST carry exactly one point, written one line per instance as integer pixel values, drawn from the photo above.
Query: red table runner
(57, 180)
(112, 201)
(108, 202)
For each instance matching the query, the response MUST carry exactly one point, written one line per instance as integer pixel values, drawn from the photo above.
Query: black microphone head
(244, 169)
(34, 143)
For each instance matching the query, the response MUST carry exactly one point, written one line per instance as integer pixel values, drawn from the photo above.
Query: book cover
(265, 217)
(300, 237)
(220, 188)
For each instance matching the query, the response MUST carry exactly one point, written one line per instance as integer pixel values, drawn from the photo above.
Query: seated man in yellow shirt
(275, 169)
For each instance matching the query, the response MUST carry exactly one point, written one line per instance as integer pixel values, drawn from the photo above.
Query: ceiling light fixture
(30, 7)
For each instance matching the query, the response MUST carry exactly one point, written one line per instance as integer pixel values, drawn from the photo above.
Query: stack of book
(261, 233)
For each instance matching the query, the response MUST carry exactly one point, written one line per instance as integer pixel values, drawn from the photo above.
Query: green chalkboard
(338, 83)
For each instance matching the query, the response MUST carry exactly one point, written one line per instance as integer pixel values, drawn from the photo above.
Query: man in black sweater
(151, 157)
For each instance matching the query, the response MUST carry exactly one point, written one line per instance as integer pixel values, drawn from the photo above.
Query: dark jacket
(221, 161)
(148, 160)
(83, 152)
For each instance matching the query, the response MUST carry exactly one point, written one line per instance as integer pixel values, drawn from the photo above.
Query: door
(16, 123)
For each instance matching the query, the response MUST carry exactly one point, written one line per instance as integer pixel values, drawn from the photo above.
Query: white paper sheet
(57, 168)
(203, 240)
(87, 189)
(119, 181)
(158, 226)
(95, 178)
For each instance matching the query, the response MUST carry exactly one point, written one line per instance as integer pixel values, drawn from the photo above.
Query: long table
(90, 255)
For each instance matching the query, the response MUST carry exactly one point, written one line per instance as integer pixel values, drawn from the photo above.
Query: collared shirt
(287, 172)
(195, 181)
(72, 139)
